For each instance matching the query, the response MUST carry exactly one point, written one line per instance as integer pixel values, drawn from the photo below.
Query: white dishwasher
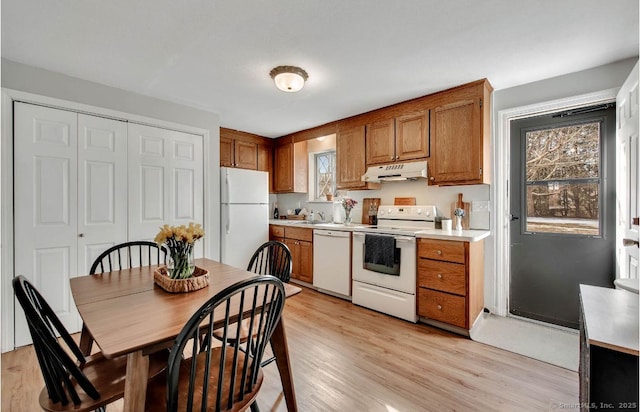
(332, 262)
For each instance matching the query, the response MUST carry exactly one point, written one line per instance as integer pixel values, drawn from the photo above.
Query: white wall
(34, 80)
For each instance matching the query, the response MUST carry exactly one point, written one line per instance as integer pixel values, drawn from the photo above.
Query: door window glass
(563, 180)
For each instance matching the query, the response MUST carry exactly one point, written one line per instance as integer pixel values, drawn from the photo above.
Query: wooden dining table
(127, 314)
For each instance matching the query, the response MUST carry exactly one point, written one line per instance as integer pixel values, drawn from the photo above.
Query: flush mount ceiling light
(289, 78)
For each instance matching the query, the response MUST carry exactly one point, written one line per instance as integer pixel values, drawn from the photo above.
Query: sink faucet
(321, 214)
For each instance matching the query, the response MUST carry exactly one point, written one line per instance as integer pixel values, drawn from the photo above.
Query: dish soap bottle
(276, 215)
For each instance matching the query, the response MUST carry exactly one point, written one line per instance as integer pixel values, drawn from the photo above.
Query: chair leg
(86, 341)
(254, 407)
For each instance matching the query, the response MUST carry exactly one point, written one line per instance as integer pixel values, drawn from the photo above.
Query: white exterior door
(70, 201)
(166, 180)
(628, 184)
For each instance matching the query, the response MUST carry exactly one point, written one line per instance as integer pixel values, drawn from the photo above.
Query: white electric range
(387, 283)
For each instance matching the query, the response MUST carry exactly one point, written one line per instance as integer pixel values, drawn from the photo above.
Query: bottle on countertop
(276, 215)
(373, 214)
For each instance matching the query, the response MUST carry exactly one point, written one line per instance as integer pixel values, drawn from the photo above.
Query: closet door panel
(102, 181)
(166, 180)
(45, 208)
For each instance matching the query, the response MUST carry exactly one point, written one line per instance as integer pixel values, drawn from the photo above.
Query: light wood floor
(347, 358)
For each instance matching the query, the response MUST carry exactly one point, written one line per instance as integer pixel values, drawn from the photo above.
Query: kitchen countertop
(464, 236)
(316, 224)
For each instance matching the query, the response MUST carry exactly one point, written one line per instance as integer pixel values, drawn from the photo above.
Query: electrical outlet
(479, 205)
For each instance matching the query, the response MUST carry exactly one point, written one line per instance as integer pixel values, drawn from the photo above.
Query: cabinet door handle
(439, 275)
(439, 252)
(439, 307)
(392, 158)
(432, 178)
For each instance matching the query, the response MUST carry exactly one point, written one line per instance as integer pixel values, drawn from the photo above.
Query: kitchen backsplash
(441, 197)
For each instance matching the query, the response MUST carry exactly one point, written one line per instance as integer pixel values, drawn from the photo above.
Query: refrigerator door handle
(226, 187)
(228, 225)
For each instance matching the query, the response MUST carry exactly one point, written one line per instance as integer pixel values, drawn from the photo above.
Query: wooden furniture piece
(394, 140)
(608, 349)
(350, 159)
(291, 167)
(221, 377)
(460, 137)
(123, 256)
(127, 315)
(265, 162)
(128, 255)
(368, 203)
(83, 384)
(451, 129)
(246, 151)
(450, 283)
(299, 240)
(406, 201)
(271, 258)
(240, 149)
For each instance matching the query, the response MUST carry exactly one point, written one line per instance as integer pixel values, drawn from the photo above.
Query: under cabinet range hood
(396, 172)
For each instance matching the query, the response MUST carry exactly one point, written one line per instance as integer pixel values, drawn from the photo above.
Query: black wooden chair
(123, 256)
(271, 258)
(83, 384)
(221, 378)
(129, 255)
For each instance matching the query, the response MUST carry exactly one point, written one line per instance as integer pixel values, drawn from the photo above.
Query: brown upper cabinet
(291, 168)
(265, 162)
(460, 137)
(246, 151)
(239, 149)
(350, 159)
(404, 138)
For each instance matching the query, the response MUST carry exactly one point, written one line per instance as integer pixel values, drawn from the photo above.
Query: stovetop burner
(402, 220)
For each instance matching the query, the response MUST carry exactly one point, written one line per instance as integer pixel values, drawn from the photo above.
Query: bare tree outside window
(563, 179)
(325, 173)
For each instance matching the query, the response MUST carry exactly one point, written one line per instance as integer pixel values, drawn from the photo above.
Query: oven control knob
(389, 211)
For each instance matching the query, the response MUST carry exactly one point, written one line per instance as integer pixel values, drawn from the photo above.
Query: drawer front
(446, 250)
(276, 231)
(442, 307)
(298, 233)
(444, 276)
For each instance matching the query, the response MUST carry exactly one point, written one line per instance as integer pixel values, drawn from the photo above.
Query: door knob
(80, 234)
(512, 217)
(630, 242)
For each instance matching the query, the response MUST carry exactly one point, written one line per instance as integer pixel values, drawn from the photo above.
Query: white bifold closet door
(166, 182)
(70, 180)
(84, 183)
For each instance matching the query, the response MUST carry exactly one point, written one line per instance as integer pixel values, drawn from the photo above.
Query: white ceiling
(360, 54)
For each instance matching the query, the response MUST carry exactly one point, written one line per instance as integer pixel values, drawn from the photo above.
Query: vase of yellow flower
(180, 274)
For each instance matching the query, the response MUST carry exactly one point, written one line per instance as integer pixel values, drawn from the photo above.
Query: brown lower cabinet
(450, 281)
(300, 243)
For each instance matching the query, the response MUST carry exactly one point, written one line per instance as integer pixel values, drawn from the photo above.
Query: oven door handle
(397, 238)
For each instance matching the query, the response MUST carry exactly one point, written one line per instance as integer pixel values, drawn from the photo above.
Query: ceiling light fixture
(289, 79)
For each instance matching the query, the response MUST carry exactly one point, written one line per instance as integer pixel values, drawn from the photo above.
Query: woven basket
(198, 280)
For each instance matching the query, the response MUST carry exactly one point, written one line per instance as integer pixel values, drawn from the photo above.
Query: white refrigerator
(244, 210)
